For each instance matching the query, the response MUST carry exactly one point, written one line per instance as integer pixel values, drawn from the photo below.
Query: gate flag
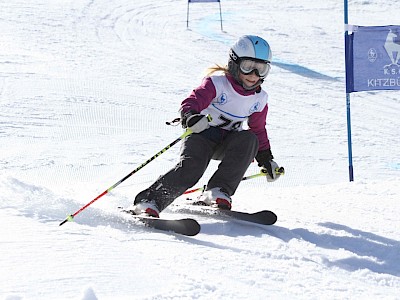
(200, 1)
(373, 58)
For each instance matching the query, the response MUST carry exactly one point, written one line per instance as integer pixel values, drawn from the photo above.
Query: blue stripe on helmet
(261, 49)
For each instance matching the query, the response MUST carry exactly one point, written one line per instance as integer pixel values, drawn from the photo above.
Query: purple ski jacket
(201, 97)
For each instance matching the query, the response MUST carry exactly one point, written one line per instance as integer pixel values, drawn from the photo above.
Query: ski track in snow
(85, 90)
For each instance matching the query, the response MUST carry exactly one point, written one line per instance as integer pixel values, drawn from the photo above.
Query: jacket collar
(240, 89)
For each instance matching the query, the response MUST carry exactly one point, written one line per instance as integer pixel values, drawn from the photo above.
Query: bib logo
(223, 99)
(255, 107)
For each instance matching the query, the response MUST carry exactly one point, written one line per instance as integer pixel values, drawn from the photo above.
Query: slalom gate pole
(71, 217)
(280, 171)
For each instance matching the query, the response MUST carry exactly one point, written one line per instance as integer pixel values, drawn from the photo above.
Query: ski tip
(186, 226)
(194, 227)
(269, 217)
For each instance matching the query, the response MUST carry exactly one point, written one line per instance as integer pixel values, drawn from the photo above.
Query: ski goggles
(247, 66)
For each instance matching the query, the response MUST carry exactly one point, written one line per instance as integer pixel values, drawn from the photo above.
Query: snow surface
(85, 89)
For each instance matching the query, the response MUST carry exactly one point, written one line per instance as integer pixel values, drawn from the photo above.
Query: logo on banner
(392, 47)
(372, 55)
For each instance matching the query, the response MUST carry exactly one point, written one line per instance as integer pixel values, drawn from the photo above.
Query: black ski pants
(235, 149)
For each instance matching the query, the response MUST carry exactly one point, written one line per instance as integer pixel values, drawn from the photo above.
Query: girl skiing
(215, 112)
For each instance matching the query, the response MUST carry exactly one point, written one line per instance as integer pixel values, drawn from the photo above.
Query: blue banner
(373, 58)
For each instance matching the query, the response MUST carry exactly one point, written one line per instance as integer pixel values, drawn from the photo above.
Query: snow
(85, 90)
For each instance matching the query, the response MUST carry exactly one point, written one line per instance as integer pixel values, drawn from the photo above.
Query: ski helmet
(250, 48)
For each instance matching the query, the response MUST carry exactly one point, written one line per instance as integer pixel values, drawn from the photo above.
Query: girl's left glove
(268, 165)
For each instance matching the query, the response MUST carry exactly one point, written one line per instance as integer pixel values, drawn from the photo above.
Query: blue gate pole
(349, 144)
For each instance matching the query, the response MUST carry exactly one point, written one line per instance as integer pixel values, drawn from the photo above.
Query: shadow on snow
(371, 251)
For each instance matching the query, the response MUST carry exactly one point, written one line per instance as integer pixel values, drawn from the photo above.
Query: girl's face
(250, 79)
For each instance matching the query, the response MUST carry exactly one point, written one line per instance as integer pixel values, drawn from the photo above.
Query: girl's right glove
(194, 121)
(268, 165)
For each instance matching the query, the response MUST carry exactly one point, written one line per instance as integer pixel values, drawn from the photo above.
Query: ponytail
(216, 68)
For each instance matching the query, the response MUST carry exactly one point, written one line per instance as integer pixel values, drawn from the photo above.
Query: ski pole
(280, 171)
(71, 217)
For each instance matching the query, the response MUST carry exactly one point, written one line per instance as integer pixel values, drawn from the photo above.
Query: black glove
(194, 121)
(268, 165)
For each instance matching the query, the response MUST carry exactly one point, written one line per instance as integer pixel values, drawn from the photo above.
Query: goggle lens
(247, 66)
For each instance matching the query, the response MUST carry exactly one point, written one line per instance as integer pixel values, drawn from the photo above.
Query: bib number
(228, 123)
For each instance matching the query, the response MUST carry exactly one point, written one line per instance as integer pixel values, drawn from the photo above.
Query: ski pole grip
(278, 171)
(186, 133)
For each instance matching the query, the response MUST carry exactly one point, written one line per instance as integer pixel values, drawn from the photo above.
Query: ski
(187, 226)
(263, 217)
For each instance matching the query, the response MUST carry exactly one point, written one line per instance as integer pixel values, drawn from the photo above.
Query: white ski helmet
(250, 53)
